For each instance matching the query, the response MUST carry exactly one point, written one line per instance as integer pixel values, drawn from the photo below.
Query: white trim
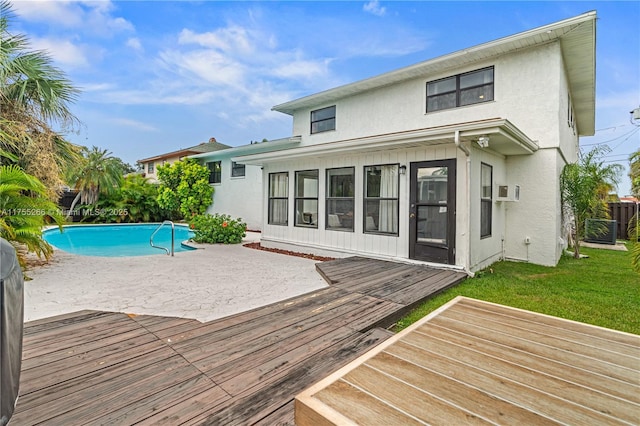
(578, 47)
(509, 134)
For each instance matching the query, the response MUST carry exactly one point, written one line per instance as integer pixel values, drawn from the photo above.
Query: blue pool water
(116, 240)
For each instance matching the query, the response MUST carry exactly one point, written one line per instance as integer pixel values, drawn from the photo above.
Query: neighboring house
(238, 187)
(455, 160)
(150, 165)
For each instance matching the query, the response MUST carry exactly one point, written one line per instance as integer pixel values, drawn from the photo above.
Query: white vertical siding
(392, 246)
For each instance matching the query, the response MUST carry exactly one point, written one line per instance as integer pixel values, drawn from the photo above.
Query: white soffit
(577, 37)
(505, 138)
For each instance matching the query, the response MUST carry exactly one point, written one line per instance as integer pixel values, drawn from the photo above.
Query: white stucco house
(453, 161)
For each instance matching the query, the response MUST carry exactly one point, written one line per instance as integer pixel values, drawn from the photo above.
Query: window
(307, 198)
(340, 198)
(151, 167)
(278, 198)
(215, 171)
(237, 170)
(486, 195)
(570, 116)
(460, 90)
(323, 119)
(381, 186)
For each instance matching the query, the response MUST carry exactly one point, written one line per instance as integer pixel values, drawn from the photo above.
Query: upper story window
(323, 119)
(215, 171)
(571, 121)
(237, 169)
(460, 90)
(151, 167)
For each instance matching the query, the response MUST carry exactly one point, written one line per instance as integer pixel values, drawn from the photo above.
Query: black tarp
(11, 325)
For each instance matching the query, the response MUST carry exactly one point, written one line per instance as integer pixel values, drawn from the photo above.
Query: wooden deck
(110, 368)
(474, 362)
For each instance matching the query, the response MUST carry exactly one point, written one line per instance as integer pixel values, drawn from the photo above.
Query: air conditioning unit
(507, 192)
(601, 231)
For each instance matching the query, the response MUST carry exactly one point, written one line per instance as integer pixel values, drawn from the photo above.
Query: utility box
(11, 327)
(600, 231)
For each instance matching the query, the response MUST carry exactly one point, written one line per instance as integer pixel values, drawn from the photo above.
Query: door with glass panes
(432, 209)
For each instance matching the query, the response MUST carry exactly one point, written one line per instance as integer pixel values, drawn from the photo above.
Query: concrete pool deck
(204, 284)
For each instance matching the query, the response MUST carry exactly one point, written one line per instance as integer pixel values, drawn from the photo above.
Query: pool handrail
(173, 231)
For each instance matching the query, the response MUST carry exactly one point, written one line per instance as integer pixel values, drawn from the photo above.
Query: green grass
(602, 290)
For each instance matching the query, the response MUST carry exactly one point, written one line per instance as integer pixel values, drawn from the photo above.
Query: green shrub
(184, 186)
(218, 228)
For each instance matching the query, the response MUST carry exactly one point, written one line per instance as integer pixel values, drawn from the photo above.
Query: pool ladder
(173, 233)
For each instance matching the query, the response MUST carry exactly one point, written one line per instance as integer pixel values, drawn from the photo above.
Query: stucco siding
(239, 196)
(487, 250)
(537, 215)
(526, 89)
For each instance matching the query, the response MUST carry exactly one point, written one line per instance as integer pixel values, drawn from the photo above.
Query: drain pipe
(467, 153)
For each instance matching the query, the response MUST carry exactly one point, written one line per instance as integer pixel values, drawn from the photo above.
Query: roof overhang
(577, 38)
(180, 153)
(504, 138)
(256, 148)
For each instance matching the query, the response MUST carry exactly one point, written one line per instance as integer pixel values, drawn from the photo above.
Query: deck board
(93, 367)
(466, 363)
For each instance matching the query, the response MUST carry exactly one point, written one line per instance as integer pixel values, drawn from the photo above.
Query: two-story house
(150, 165)
(455, 160)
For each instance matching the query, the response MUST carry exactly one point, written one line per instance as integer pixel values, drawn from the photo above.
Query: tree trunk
(73, 204)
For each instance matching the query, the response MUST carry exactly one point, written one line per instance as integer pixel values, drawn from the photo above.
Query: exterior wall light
(483, 141)
(403, 170)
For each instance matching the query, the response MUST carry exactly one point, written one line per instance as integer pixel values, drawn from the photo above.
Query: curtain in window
(278, 193)
(388, 214)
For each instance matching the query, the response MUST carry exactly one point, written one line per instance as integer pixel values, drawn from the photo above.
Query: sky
(158, 76)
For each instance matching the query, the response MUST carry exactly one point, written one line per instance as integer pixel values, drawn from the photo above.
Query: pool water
(117, 240)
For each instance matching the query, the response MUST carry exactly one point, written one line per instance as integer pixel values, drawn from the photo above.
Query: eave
(577, 38)
(505, 139)
(256, 148)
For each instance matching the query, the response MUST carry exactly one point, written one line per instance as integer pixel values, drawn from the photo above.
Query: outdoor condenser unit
(600, 231)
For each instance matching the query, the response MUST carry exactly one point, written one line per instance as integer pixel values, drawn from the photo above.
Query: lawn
(602, 290)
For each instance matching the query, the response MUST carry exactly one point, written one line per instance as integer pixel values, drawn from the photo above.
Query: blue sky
(158, 76)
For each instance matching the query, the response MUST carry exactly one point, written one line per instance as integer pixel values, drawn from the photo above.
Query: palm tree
(24, 208)
(98, 172)
(581, 187)
(35, 96)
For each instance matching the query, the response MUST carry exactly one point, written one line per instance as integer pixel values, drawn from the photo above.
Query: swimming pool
(116, 240)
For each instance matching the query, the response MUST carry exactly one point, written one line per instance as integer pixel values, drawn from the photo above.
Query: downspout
(467, 153)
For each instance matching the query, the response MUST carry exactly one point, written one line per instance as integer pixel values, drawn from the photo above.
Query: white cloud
(96, 87)
(374, 8)
(63, 51)
(63, 13)
(237, 66)
(232, 38)
(302, 69)
(202, 66)
(93, 16)
(134, 124)
(134, 43)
